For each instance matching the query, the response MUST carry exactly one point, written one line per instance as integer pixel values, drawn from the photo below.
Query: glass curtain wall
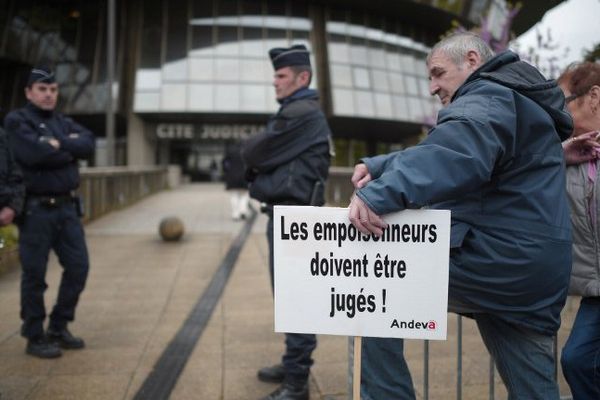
(69, 36)
(376, 70)
(199, 56)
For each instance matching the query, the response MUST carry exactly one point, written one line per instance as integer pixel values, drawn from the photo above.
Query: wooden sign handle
(356, 368)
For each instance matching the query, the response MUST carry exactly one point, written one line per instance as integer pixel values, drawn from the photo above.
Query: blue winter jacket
(495, 160)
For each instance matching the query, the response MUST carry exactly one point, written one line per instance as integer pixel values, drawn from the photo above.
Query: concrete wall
(110, 188)
(104, 189)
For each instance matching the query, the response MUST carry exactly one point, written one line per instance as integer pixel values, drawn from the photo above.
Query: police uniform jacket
(48, 171)
(12, 189)
(287, 159)
(495, 160)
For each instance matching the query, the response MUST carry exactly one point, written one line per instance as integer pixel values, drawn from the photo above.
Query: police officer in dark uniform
(47, 146)
(12, 189)
(288, 164)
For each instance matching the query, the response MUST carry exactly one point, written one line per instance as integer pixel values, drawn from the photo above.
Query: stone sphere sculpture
(171, 229)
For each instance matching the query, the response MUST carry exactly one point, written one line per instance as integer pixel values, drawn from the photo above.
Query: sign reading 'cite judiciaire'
(207, 131)
(332, 279)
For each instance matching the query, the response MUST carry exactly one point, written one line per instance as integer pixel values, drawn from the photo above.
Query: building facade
(193, 75)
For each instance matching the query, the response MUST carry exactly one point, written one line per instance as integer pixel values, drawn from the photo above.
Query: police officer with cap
(47, 146)
(287, 164)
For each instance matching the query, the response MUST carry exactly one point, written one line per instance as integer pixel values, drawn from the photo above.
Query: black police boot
(65, 339)
(290, 391)
(41, 347)
(273, 374)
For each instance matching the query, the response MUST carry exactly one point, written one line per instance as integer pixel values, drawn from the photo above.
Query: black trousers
(297, 358)
(44, 228)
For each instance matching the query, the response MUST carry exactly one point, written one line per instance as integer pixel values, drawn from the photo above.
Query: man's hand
(364, 219)
(7, 215)
(582, 148)
(361, 176)
(51, 141)
(54, 143)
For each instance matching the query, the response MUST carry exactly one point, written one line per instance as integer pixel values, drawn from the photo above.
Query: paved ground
(141, 290)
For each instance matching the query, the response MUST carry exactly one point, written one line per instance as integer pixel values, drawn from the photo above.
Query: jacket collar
(38, 112)
(302, 93)
(508, 70)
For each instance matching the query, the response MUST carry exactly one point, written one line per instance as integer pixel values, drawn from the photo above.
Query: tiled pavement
(141, 290)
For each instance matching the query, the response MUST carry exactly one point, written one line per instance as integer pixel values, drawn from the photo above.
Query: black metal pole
(110, 78)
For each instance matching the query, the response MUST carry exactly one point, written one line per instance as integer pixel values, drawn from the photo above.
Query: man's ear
(473, 59)
(595, 95)
(304, 77)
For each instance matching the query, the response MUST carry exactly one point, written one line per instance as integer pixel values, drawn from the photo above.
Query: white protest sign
(332, 279)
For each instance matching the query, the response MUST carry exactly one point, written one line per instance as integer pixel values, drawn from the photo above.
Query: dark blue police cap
(40, 74)
(295, 55)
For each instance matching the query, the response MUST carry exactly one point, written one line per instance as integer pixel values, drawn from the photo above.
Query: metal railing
(423, 383)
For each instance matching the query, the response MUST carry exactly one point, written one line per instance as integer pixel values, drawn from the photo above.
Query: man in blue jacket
(288, 163)
(47, 146)
(495, 160)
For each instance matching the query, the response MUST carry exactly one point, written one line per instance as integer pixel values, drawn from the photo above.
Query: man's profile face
(43, 95)
(286, 82)
(445, 77)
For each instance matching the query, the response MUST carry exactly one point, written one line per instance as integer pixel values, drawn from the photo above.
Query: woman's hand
(582, 148)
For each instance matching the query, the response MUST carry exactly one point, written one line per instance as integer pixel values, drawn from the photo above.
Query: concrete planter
(9, 259)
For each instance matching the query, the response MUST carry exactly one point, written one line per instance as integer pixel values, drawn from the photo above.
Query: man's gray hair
(457, 45)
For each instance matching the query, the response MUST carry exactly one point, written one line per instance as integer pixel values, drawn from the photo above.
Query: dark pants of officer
(298, 346)
(42, 228)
